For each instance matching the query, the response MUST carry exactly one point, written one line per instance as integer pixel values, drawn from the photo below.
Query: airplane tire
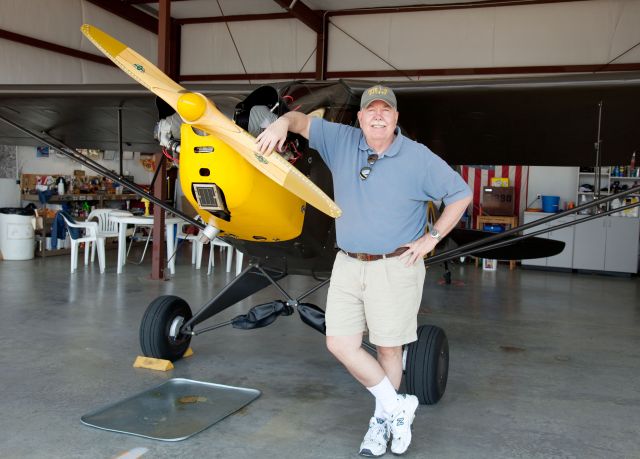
(427, 365)
(155, 338)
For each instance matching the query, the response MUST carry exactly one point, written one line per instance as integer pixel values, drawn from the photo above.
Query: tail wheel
(160, 335)
(427, 365)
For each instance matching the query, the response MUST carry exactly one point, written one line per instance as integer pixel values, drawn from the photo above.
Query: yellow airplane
(278, 209)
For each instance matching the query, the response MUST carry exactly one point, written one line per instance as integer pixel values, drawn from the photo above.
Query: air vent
(205, 149)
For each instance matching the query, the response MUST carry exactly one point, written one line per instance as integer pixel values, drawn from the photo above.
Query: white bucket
(17, 236)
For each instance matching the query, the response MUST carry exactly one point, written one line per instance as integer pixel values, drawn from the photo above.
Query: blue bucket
(550, 204)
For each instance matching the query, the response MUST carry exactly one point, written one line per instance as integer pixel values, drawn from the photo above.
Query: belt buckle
(362, 256)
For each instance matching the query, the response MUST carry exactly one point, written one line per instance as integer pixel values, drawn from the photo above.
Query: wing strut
(100, 169)
(490, 243)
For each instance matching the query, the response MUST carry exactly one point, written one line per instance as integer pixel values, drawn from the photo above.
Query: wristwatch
(434, 233)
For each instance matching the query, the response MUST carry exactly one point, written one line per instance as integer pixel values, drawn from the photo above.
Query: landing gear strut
(168, 326)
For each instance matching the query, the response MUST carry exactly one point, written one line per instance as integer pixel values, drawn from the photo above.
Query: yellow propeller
(199, 111)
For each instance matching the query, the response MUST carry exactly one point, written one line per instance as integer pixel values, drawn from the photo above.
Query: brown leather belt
(369, 257)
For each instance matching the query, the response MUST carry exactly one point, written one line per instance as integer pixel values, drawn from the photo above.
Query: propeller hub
(191, 106)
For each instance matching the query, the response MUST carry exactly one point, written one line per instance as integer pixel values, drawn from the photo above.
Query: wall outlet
(538, 196)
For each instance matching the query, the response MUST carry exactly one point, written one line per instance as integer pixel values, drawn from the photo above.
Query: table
(123, 221)
(66, 198)
(511, 220)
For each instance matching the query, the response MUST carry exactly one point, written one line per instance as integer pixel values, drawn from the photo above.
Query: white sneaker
(376, 439)
(400, 423)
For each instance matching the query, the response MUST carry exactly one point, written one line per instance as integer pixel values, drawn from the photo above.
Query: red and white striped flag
(478, 177)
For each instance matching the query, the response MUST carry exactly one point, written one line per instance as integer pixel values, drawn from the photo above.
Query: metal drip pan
(173, 411)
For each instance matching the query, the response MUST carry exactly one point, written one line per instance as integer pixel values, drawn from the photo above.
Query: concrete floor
(542, 365)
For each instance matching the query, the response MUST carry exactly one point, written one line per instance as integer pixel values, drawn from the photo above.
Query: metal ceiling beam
(236, 18)
(249, 76)
(455, 6)
(129, 13)
(30, 41)
(587, 68)
(322, 47)
(137, 2)
(164, 36)
(559, 69)
(309, 17)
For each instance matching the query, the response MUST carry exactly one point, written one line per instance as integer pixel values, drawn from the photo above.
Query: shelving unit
(589, 178)
(607, 185)
(610, 243)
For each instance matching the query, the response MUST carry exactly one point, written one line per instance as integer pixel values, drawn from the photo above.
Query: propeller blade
(197, 110)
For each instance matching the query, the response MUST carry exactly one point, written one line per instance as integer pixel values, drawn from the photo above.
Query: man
(382, 181)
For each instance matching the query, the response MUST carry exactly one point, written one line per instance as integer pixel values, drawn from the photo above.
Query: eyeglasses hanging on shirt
(366, 170)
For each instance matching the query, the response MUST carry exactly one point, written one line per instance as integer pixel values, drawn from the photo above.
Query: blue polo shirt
(388, 209)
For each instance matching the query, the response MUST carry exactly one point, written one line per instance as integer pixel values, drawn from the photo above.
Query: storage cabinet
(621, 247)
(565, 258)
(607, 244)
(604, 244)
(589, 244)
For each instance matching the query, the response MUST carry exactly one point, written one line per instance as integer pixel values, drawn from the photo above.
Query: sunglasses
(366, 170)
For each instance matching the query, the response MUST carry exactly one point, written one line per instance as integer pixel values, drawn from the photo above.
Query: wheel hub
(176, 325)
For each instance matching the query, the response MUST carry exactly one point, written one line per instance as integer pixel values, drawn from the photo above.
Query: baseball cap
(378, 92)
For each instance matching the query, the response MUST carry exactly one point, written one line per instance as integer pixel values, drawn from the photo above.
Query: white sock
(386, 395)
(379, 412)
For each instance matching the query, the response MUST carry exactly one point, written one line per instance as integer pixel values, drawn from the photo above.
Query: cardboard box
(498, 201)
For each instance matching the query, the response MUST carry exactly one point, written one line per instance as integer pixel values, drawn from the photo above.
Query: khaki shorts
(382, 296)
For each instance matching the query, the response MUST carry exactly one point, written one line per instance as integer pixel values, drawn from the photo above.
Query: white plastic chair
(196, 245)
(197, 248)
(229, 249)
(107, 227)
(90, 230)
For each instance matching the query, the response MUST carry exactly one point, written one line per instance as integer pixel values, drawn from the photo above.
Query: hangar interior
(533, 102)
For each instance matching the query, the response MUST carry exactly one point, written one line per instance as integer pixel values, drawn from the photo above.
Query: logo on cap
(378, 92)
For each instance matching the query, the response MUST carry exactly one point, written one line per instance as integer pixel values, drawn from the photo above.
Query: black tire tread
(421, 377)
(154, 321)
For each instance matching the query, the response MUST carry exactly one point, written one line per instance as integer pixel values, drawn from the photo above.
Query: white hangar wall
(276, 46)
(58, 22)
(573, 33)
(590, 32)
